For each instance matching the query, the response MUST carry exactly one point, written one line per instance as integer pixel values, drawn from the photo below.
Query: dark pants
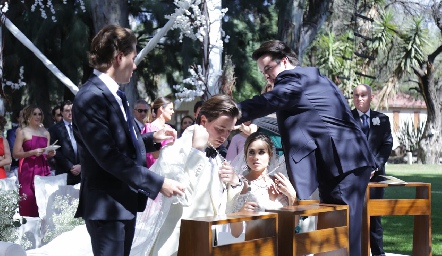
(111, 237)
(376, 231)
(347, 189)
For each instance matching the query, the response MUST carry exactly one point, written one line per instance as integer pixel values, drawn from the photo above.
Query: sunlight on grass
(398, 230)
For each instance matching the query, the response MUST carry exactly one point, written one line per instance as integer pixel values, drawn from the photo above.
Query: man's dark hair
(53, 110)
(65, 103)
(197, 105)
(277, 50)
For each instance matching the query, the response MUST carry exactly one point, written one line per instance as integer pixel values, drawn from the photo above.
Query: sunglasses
(141, 110)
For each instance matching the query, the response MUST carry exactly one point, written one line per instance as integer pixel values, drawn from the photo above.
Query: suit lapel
(64, 134)
(112, 102)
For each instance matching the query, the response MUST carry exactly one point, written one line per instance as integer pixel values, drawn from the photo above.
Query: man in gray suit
(376, 127)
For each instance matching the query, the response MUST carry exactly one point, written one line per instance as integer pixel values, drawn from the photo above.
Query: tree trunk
(298, 23)
(431, 142)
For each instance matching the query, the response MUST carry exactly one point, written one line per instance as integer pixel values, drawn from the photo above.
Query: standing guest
(66, 159)
(114, 183)
(324, 146)
(141, 108)
(5, 152)
(29, 145)
(186, 121)
(162, 111)
(236, 145)
(376, 127)
(56, 114)
(10, 136)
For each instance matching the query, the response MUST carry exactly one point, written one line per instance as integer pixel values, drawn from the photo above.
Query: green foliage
(398, 230)
(410, 137)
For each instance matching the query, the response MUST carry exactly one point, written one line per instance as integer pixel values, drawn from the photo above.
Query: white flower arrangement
(63, 220)
(376, 121)
(10, 220)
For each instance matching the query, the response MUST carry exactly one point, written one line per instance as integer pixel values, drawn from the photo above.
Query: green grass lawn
(398, 230)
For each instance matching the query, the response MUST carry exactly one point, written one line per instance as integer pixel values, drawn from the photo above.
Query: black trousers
(348, 189)
(111, 237)
(376, 230)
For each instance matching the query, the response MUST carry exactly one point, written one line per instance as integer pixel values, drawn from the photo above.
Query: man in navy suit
(114, 184)
(66, 160)
(377, 128)
(324, 147)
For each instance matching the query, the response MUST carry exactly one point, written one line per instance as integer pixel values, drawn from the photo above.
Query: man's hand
(166, 133)
(246, 129)
(172, 188)
(76, 169)
(200, 137)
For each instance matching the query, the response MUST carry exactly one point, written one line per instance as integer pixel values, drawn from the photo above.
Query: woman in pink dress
(161, 112)
(29, 146)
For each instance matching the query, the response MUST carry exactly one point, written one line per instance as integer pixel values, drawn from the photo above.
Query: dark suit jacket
(10, 136)
(380, 140)
(319, 135)
(114, 184)
(65, 157)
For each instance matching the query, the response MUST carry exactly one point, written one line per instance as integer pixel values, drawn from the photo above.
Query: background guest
(56, 114)
(66, 159)
(30, 144)
(141, 108)
(376, 127)
(161, 112)
(196, 108)
(186, 121)
(10, 136)
(236, 145)
(5, 152)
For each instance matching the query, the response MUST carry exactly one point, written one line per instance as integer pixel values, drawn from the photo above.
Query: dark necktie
(365, 127)
(129, 120)
(73, 141)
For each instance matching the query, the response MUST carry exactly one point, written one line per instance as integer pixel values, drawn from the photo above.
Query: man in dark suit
(323, 145)
(376, 127)
(114, 184)
(141, 108)
(66, 159)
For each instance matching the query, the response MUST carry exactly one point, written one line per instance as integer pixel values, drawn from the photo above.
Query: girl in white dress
(263, 188)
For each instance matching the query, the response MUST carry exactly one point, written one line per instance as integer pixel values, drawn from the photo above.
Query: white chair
(11, 249)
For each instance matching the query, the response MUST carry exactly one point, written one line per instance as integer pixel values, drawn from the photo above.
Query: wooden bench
(419, 207)
(331, 233)
(196, 235)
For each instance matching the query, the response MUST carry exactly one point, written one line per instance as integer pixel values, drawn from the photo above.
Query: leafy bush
(409, 136)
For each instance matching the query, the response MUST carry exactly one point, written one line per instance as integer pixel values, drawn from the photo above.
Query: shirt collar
(108, 81)
(66, 123)
(360, 113)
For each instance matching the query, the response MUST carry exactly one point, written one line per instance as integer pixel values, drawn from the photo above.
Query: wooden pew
(330, 237)
(196, 235)
(419, 207)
